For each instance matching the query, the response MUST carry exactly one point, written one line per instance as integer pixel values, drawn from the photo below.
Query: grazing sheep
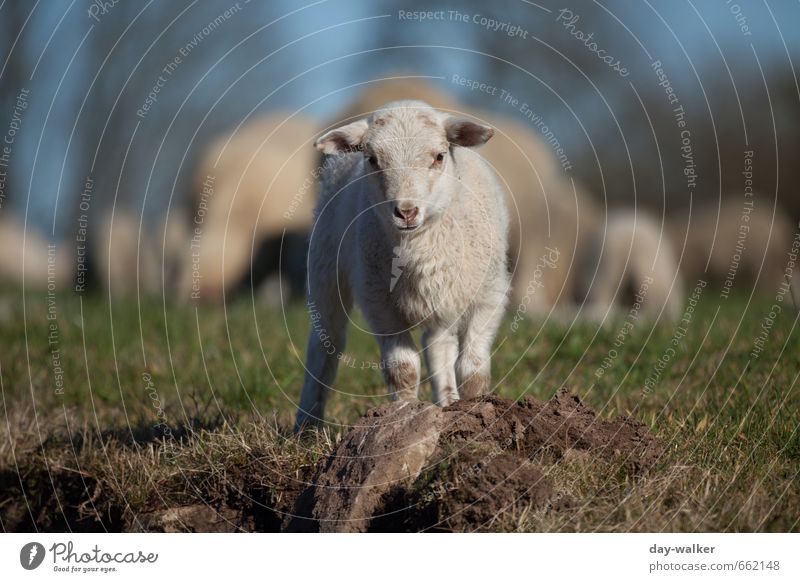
(133, 260)
(733, 245)
(117, 250)
(250, 187)
(412, 226)
(551, 217)
(24, 254)
(631, 265)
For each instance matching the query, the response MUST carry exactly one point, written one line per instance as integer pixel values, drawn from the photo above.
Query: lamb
(412, 225)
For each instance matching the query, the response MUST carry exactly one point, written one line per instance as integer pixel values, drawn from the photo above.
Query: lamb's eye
(373, 161)
(439, 158)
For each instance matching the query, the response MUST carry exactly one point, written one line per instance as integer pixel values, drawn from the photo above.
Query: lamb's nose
(406, 213)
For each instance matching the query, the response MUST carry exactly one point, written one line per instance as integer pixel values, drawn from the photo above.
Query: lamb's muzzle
(406, 215)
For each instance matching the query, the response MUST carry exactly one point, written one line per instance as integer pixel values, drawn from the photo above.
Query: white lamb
(413, 226)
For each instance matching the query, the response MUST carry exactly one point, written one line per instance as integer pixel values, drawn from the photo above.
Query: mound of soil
(404, 466)
(414, 466)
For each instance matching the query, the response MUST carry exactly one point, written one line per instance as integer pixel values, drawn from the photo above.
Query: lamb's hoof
(306, 424)
(449, 396)
(474, 386)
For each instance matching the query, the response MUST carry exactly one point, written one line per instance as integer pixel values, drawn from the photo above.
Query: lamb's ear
(342, 139)
(466, 133)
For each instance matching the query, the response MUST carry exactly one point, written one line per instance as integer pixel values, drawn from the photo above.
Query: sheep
(729, 241)
(250, 187)
(133, 257)
(26, 256)
(117, 250)
(412, 226)
(631, 263)
(551, 216)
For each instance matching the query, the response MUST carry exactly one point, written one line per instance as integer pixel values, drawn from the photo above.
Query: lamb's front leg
(400, 364)
(473, 368)
(441, 351)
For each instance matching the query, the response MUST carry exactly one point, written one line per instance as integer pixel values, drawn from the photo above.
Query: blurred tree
(13, 63)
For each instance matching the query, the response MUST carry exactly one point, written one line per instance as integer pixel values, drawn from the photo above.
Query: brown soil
(482, 466)
(564, 423)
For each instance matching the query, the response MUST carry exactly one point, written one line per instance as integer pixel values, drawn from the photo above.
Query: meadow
(112, 412)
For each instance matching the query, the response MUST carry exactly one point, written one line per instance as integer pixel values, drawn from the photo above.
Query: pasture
(115, 413)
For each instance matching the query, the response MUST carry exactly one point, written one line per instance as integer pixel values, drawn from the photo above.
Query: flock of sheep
(426, 214)
(252, 211)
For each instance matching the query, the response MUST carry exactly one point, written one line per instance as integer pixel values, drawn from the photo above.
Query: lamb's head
(407, 152)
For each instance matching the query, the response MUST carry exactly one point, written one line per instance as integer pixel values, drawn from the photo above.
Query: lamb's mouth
(408, 228)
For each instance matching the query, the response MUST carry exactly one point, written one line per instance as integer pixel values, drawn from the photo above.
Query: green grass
(730, 420)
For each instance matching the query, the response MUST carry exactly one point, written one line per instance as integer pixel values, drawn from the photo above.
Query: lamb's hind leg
(441, 351)
(473, 368)
(326, 343)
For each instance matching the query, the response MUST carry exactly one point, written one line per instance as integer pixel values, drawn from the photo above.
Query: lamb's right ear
(343, 139)
(465, 132)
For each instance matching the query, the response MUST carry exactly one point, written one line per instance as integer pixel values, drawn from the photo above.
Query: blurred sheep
(133, 257)
(733, 245)
(27, 257)
(631, 265)
(250, 187)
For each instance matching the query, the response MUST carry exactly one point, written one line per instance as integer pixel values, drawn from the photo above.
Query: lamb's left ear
(342, 139)
(463, 132)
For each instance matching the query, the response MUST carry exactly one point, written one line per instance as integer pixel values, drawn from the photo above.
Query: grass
(165, 405)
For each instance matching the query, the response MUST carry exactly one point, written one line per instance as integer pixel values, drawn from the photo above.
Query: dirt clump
(388, 447)
(550, 429)
(466, 492)
(415, 467)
